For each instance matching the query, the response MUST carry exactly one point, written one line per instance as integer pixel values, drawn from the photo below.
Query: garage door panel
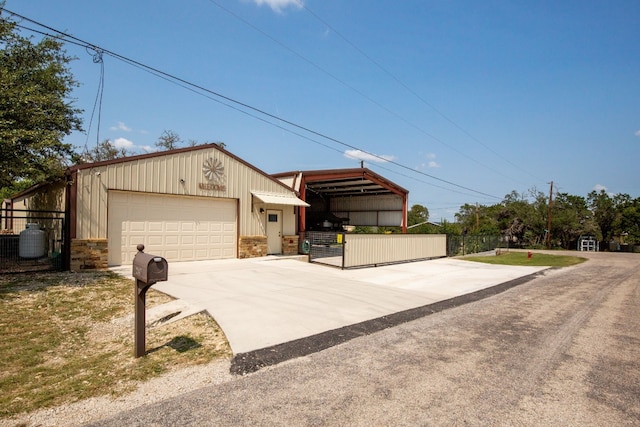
(171, 254)
(172, 240)
(203, 226)
(137, 226)
(187, 227)
(187, 240)
(202, 253)
(155, 241)
(177, 228)
(153, 227)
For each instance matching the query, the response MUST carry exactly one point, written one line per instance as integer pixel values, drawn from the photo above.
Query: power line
(97, 59)
(410, 90)
(195, 88)
(378, 166)
(355, 90)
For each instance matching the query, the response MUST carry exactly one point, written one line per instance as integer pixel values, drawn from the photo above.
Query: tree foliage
(169, 140)
(417, 218)
(522, 218)
(616, 215)
(106, 150)
(36, 111)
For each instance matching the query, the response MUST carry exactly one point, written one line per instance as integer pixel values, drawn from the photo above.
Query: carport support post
(140, 317)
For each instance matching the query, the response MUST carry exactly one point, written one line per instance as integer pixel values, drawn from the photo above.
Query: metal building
(196, 203)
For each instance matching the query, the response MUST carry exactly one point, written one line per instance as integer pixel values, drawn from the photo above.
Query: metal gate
(325, 247)
(32, 241)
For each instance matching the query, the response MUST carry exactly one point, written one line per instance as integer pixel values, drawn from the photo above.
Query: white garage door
(176, 227)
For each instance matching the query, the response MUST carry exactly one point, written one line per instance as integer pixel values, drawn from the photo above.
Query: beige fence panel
(373, 249)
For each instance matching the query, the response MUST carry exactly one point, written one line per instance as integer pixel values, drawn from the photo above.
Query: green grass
(521, 258)
(66, 337)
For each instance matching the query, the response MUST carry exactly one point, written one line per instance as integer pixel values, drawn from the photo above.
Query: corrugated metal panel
(369, 210)
(381, 218)
(366, 203)
(179, 174)
(360, 218)
(287, 180)
(49, 197)
(372, 249)
(389, 219)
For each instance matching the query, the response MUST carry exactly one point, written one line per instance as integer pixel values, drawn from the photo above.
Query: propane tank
(32, 242)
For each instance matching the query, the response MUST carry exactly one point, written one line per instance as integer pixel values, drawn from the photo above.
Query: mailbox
(149, 268)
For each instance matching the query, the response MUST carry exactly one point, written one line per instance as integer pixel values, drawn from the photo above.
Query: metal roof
(279, 199)
(343, 182)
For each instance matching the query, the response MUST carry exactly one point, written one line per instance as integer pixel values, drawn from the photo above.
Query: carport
(347, 197)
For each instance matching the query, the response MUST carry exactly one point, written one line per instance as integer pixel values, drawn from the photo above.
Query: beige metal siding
(378, 218)
(369, 210)
(371, 249)
(389, 219)
(49, 197)
(163, 175)
(366, 203)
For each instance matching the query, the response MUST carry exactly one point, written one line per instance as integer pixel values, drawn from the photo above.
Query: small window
(273, 217)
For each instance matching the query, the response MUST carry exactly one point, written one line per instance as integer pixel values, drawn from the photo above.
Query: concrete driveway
(264, 302)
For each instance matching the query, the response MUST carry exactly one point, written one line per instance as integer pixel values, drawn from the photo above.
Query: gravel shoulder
(168, 386)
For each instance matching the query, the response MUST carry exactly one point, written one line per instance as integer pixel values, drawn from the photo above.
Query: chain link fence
(472, 244)
(31, 241)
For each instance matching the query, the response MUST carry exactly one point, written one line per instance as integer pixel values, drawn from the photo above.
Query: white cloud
(599, 187)
(279, 5)
(121, 126)
(430, 162)
(637, 133)
(123, 143)
(361, 155)
(149, 149)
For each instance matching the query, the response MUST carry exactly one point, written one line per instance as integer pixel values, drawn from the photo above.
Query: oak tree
(36, 109)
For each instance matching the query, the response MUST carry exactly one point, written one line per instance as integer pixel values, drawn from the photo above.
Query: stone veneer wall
(252, 246)
(89, 254)
(290, 245)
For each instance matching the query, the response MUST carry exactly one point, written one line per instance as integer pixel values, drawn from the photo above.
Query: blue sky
(493, 96)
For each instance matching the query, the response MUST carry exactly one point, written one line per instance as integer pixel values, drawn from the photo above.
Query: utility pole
(549, 216)
(477, 218)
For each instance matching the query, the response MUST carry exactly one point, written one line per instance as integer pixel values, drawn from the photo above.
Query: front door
(274, 232)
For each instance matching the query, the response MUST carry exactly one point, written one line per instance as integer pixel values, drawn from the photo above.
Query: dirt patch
(70, 336)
